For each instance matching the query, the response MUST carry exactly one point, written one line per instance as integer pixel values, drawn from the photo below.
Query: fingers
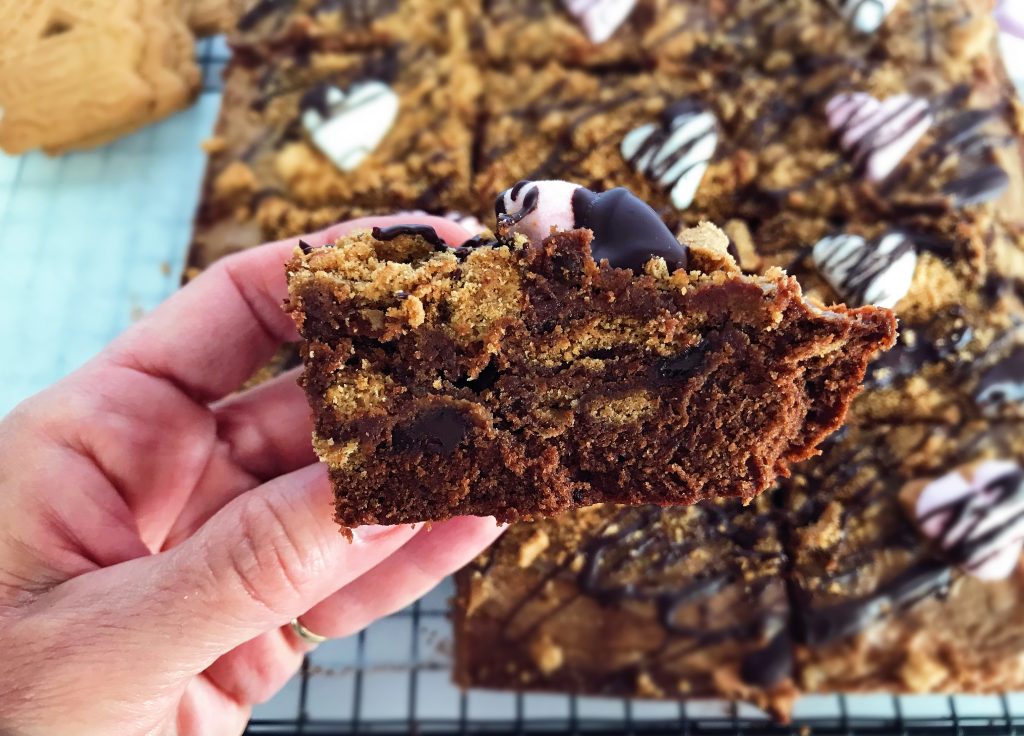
(271, 554)
(266, 433)
(213, 334)
(263, 559)
(255, 671)
(435, 552)
(268, 427)
(259, 668)
(204, 708)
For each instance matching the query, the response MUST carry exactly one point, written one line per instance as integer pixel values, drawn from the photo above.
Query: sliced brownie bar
(906, 546)
(643, 601)
(586, 356)
(308, 139)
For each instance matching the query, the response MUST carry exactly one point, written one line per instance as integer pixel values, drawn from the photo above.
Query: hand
(158, 531)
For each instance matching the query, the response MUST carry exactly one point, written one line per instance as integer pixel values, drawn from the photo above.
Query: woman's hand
(158, 531)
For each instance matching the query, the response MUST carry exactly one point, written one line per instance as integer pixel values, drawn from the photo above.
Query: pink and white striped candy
(600, 18)
(977, 516)
(877, 135)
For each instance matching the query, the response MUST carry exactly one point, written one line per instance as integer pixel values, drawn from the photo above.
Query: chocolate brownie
(891, 563)
(266, 26)
(905, 548)
(307, 140)
(643, 601)
(586, 356)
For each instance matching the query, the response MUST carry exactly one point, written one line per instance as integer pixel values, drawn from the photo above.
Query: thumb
(263, 559)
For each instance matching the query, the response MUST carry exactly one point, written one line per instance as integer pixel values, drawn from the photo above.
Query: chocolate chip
(305, 247)
(685, 364)
(436, 432)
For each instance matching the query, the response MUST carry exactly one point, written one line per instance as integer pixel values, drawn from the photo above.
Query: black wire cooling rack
(394, 678)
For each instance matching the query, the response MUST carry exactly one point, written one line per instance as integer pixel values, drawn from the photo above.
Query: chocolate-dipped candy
(876, 272)
(348, 126)
(866, 16)
(876, 135)
(975, 515)
(600, 18)
(627, 232)
(676, 151)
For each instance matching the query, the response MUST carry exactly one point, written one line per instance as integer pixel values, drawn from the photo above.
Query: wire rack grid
(92, 239)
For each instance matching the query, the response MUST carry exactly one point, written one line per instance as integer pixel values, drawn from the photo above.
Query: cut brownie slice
(264, 26)
(305, 140)
(632, 601)
(587, 356)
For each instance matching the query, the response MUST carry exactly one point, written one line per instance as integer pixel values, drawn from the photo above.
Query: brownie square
(306, 141)
(521, 379)
(266, 26)
(632, 601)
(905, 552)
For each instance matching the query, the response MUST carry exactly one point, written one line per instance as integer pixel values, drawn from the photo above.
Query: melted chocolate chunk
(685, 364)
(627, 231)
(437, 432)
(423, 231)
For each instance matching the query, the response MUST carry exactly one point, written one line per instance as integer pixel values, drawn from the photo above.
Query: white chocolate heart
(676, 152)
(977, 516)
(866, 16)
(348, 127)
(877, 135)
(878, 272)
(600, 18)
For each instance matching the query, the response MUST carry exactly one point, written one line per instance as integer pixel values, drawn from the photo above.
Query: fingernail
(377, 531)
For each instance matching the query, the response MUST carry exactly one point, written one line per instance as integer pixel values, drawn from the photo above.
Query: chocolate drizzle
(981, 185)
(262, 10)
(940, 338)
(358, 12)
(978, 525)
(627, 232)
(1003, 383)
(420, 231)
(635, 557)
(826, 624)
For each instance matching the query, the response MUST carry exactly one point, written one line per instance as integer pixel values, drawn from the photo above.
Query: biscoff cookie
(208, 17)
(78, 74)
